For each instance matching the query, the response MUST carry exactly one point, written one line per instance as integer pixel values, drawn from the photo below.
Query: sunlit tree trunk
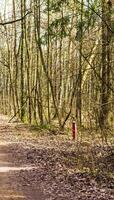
(106, 63)
(22, 64)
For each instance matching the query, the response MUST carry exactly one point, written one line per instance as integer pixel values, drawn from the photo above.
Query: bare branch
(17, 20)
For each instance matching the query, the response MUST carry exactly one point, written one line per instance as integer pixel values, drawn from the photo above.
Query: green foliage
(112, 26)
(58, 27)
(57, 5)
(88, 20)
(43, 129)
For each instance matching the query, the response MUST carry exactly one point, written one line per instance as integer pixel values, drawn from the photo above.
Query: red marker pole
(74, 130)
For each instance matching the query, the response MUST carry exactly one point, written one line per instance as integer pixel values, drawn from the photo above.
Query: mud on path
(46, 167)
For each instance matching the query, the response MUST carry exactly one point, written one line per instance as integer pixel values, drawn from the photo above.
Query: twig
(14, 21)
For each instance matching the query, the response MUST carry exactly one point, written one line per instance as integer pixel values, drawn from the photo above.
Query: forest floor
(35, 165)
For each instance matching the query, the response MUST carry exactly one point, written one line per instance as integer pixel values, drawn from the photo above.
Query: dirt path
(49, 167)
(11, 187)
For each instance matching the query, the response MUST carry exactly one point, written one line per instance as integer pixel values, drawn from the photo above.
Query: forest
(56, 69)
(56, 62)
